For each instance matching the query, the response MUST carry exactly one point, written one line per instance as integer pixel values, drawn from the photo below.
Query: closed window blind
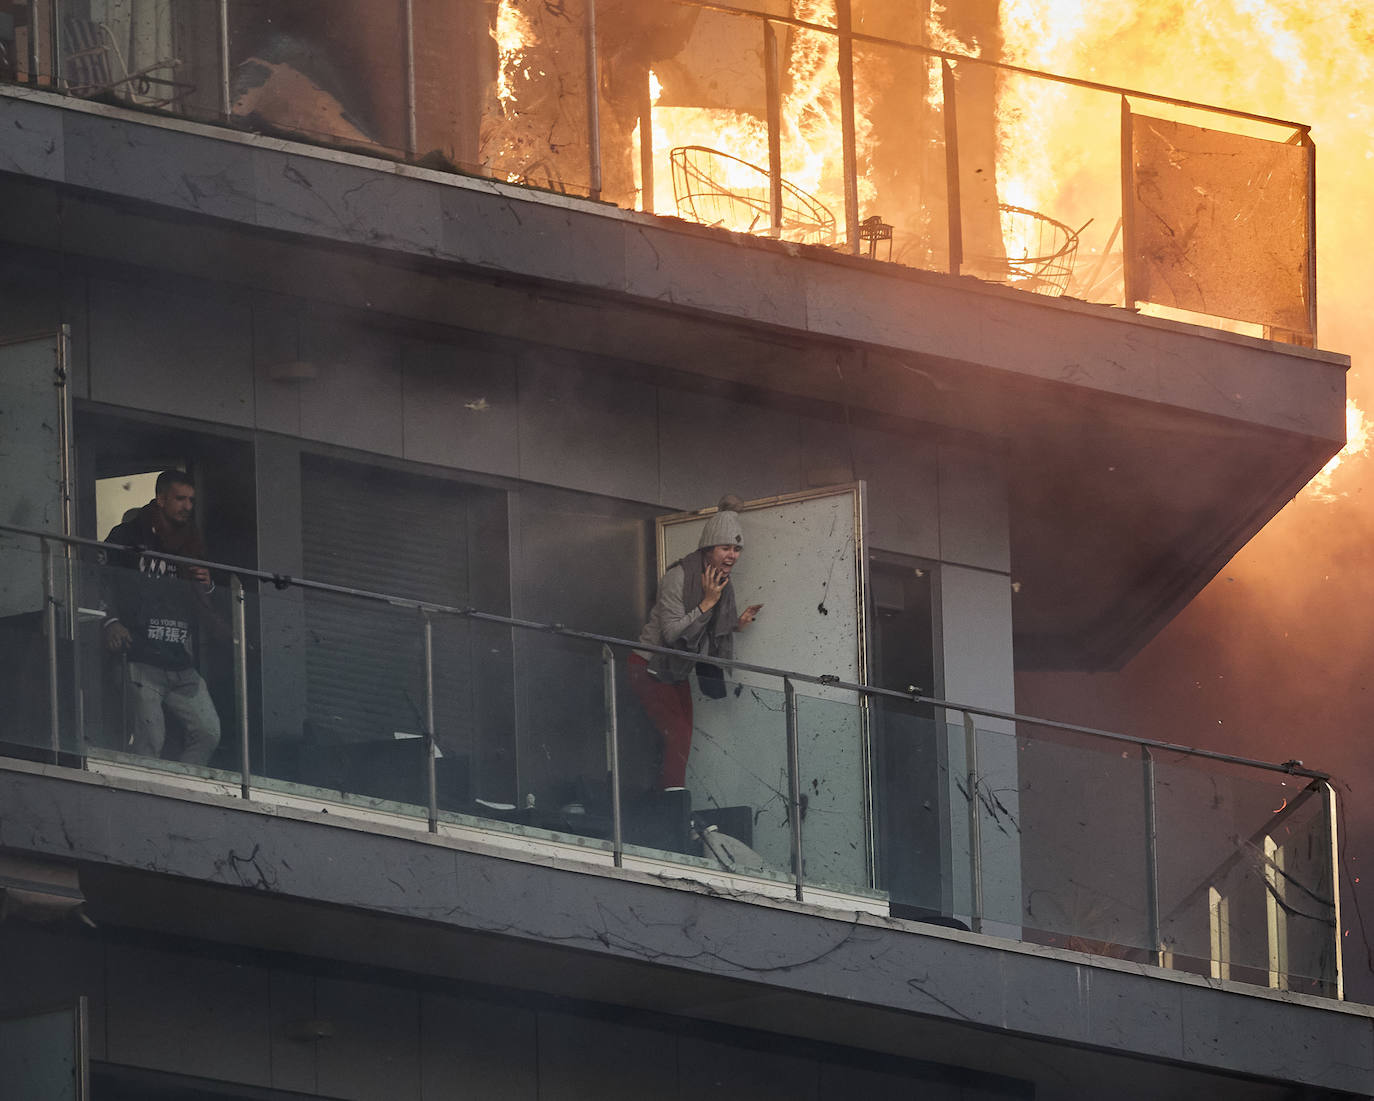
(397, 534)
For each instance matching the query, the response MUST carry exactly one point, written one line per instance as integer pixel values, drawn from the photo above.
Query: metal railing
(943, 205)
(1028, 842)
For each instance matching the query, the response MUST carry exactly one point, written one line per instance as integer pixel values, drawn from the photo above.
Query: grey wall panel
(276, 354)
(1148, 1015)
(533, 237)
(345, 202)
(292, 1009)
(477, 1051)
(355, 399)
(44, 968)
(587, 431)
(76, 312)
(581, 1058)
(690, 270)
(826, 449)
(374, 1053)
(1238, 1032)
(973, 509)
(29, 293)
(712, 1070)
(188, 354)
(975, 608)
(282, 612)
(710, 446)
(875, 1085)
(188, 1015)
(279, 503)
(903, 486)
(33, 144)
(159, 165)
(460, 407)
(585, 560)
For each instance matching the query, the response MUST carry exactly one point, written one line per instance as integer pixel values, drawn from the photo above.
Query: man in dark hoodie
(151, 609)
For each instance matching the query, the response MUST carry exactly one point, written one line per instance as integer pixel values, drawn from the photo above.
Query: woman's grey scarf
(724, 616)
(718, 639)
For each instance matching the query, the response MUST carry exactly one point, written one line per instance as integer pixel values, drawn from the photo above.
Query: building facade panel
(183, 171)
(187, 353)
(461, 407)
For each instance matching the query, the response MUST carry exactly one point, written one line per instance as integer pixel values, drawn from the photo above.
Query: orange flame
(1356, 443)
(811, 129)
(512, 32)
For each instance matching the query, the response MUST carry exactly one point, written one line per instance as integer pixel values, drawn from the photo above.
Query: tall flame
(512, 32)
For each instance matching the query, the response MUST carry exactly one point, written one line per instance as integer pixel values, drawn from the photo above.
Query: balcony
(844, 131)
(393, 714)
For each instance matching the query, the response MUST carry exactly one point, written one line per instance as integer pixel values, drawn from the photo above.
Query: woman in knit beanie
(693, 611)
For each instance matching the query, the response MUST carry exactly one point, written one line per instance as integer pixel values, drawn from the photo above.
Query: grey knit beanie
(722, 527)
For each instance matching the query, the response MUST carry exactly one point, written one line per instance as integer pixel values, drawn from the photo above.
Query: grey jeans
(181, 693)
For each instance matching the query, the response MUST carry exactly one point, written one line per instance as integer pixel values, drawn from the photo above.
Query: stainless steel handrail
(283, 581)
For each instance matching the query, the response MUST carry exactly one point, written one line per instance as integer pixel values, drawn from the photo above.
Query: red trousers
(669, 707)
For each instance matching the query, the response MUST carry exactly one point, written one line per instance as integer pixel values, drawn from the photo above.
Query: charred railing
(473, 724)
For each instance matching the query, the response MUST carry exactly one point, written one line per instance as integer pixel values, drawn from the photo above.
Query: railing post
(33, 42)
(239, 624)
(1311, 237)
(70, 559)
(1128, 280)
(1151, 856)
(1330, 812)
(612, 750)
(953, 208)
(412, 141)
(55, 33)
(772, 85)
(844, 26)
(646, 146)
(794, 809)
(50, 627)
(593, 103)
(431, 747)
(975, 826)
(225, 104)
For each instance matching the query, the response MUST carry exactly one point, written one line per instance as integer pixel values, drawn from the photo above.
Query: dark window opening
(908, 747)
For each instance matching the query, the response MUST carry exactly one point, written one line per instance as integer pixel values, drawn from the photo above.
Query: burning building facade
(461, 316)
